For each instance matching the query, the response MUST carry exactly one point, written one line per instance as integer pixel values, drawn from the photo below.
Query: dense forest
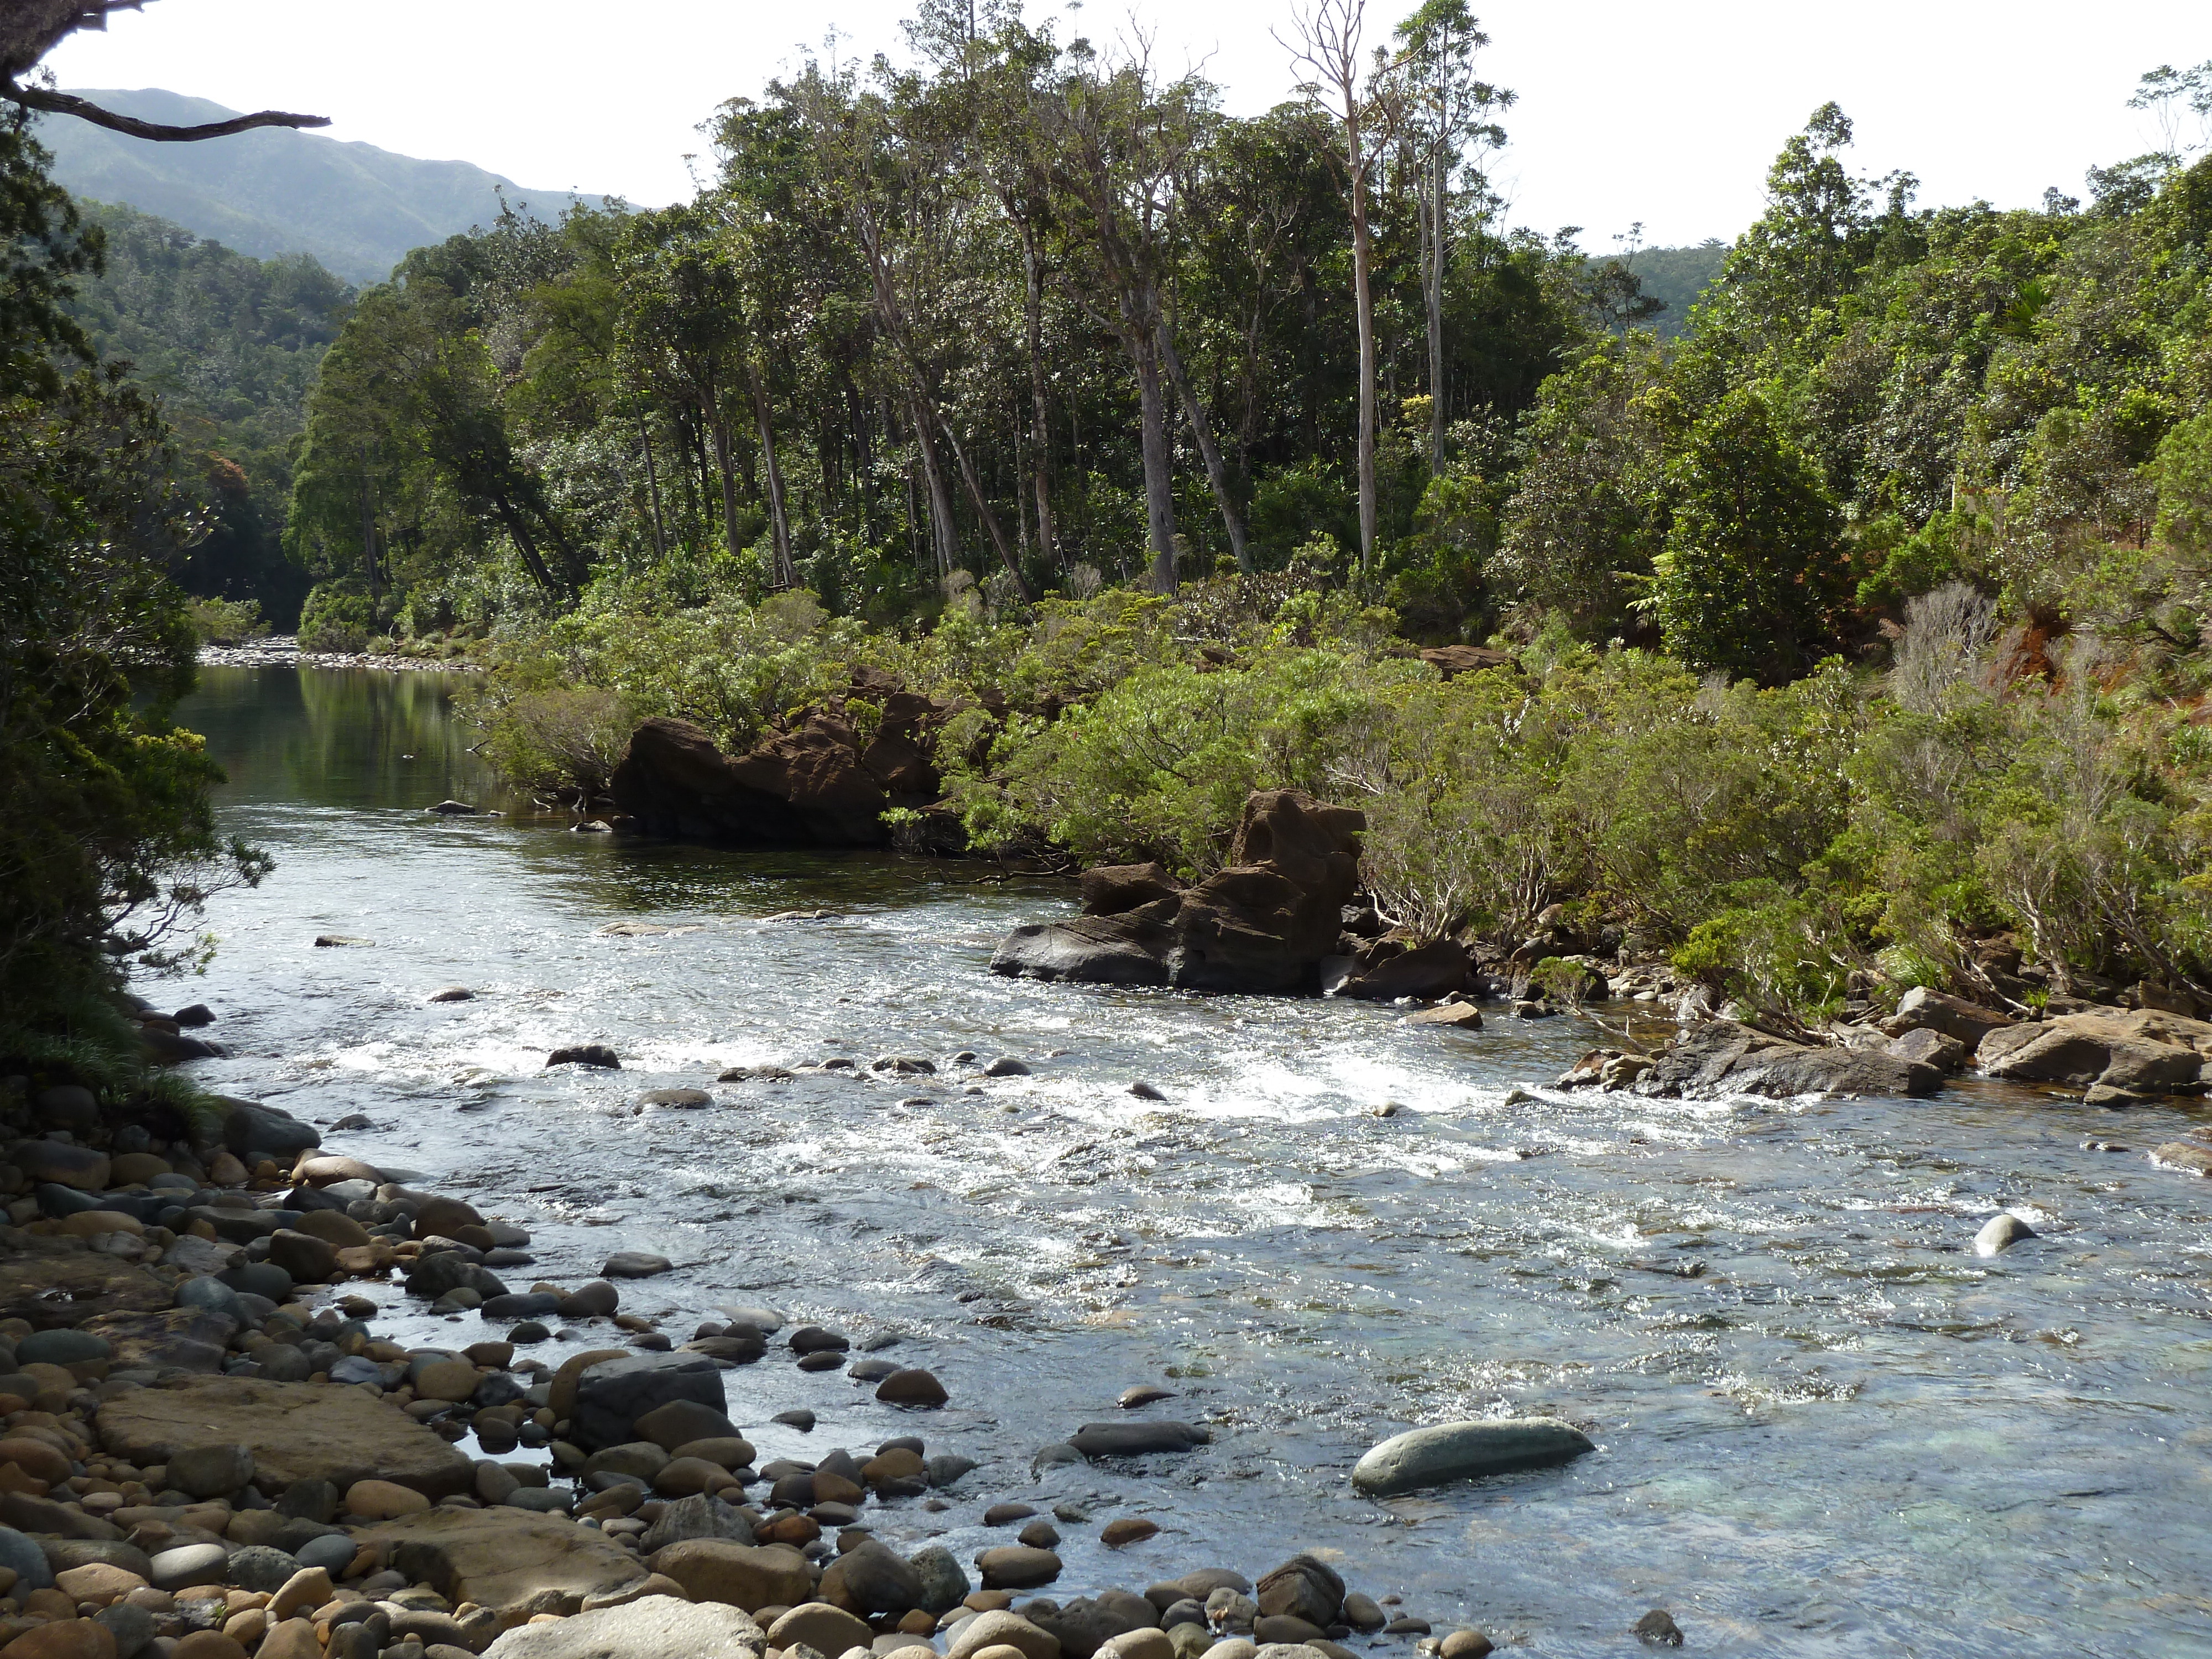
(1840, 630)
(230, 345)
(1857, 627)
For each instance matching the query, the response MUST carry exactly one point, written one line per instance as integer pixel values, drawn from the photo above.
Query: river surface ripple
(1823, 1425)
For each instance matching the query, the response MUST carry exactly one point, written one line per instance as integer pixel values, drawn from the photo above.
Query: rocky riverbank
(207, 1450)
(282, 651)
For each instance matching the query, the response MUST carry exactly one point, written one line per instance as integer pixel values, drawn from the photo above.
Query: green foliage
(227, 621)
(339, 616)
(1752, 571)
(108, 841)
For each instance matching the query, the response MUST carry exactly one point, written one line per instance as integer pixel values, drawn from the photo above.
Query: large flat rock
(2142, 1052)
(297, 1431)
(651, 1627)
(505, 1559)
(51, 1281)
(1722, 1058)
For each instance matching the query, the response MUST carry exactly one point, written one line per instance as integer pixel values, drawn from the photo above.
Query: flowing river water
(1824, 1426)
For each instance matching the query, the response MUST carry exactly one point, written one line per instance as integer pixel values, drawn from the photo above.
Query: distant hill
(230, 344)
(1678, 276)
(355, 208)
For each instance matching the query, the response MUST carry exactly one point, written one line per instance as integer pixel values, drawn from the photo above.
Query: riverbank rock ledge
(1263, 924)
(819, 784)
(1463, 1452)
(2117, 1056)
(1724, 1058)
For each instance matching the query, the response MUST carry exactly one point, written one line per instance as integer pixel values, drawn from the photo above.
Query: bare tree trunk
(720, 430)
(1215, 471)
(1362, 257)
(367, 524)
(1159, 476)
(779, 521)
(1040, 428)
(1435, 299)
(980, 502)
(653, 488)
(946, 539)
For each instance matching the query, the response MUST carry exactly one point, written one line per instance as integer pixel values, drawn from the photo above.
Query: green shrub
(227, 621)
(339, 616)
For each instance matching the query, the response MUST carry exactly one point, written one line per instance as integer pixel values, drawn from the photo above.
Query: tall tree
(1116, 142)
(1363, 104)
(1449, 109)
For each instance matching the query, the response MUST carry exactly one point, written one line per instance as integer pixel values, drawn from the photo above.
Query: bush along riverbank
(2008, 819)
(206, 1449)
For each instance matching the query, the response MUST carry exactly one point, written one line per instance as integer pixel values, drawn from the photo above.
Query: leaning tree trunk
(1141, 334)
(1216, 473)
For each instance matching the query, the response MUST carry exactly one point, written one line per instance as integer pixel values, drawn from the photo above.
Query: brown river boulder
(1262, 924)
(817, 785)
(2116, 1054)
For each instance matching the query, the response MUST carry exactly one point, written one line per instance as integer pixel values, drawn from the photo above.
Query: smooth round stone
(871, 1371)
(1462, 1451)
(634, 1264)
(205, 1291)
(22, 1557)
(333, 1552)
(356, 1368)
(1999, 1234)
(263, 1278)
(383, 1500)
(529, 1330)
(826, 1360)
(62, 1348)
(191, 1563)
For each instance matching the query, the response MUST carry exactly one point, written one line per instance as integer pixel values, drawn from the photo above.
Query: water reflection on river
(1824, 1426)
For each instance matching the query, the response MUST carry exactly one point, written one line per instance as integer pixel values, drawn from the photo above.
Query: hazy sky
(1666, 114)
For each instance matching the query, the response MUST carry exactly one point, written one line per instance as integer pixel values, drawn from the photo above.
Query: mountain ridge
(357, 208)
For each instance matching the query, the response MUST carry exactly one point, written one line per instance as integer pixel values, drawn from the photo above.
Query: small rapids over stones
(1821, 1420)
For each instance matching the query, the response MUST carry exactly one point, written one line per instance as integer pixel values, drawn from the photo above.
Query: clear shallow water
(1824, 1426)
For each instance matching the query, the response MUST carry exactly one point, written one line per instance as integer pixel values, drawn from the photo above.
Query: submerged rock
(1264, 923)
(1462, 1451)
(586, 1053)
(2000, 1233)
(1724, 1058)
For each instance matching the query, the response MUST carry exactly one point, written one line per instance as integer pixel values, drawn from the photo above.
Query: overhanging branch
(62, 103)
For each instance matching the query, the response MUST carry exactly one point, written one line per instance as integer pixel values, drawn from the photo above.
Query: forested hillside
(231, 345)
(942, 355)
(354, 208)
(1677, 277)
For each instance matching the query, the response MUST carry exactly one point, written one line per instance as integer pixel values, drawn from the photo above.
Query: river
(1824, 1426)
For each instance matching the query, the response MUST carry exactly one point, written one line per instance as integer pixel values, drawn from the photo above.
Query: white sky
(1666, 114)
